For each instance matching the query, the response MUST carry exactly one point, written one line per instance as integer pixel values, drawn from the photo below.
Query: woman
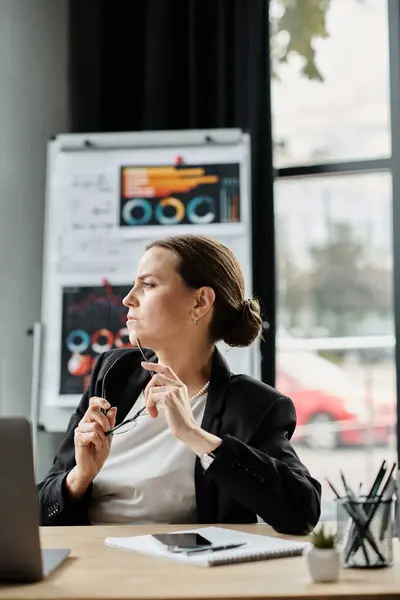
(209, 446)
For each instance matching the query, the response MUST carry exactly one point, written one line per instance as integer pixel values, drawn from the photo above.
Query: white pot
(323, 563)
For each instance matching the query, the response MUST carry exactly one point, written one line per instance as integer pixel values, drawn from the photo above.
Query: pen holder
(365, 532)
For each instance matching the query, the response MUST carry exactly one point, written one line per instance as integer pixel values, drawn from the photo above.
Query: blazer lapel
(127, 380)
(219, 380)
(135, 384)
(207, 492)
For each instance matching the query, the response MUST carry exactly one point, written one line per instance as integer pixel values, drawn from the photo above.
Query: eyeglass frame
(139, 412)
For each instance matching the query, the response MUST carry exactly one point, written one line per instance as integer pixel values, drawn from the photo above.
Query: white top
(149, 474)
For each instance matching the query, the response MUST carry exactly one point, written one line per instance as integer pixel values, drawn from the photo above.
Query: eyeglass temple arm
(143, 354)
(135, 416)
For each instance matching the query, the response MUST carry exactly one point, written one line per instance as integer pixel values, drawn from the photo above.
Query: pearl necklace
(200, 392)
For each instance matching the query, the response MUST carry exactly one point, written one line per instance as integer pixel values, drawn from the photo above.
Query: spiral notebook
(257, 547)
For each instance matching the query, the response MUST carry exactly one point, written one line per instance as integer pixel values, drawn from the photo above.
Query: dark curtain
(182, 64)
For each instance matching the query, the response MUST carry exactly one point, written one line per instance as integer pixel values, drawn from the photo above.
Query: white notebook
(257, 547)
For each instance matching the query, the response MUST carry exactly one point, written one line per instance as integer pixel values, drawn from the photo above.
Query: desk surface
(95, 571)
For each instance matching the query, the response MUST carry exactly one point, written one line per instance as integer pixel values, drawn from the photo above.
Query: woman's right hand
(92, 446)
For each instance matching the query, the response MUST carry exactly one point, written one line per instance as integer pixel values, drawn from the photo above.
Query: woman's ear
(205, 298)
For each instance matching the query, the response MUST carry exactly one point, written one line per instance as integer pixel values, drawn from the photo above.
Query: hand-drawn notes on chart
(99, 182)
(90, 202)
(98, 252)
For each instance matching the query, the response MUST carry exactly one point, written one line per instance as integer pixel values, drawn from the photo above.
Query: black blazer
(256, 471)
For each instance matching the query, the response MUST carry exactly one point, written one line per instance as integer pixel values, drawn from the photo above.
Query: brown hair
(206, 262)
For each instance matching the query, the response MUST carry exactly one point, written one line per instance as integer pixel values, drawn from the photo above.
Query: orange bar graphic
(136, 181)
(161, 172)
(170, 181)
(163, 186)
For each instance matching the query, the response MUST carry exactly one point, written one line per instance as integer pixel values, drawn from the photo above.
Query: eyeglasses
(127, 424)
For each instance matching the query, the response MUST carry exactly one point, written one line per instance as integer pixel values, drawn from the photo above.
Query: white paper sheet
(257, 547)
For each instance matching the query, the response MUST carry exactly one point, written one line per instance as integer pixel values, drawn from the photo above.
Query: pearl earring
(195, 320)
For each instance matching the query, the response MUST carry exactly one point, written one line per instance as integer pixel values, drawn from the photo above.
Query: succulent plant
(323, 539)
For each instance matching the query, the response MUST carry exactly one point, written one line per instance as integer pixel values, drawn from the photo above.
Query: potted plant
(323, 557)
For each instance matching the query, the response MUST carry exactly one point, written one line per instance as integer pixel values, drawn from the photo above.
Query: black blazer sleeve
(266, 476)
(56, 507)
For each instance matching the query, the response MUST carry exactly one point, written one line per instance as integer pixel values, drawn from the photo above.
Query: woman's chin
(135, 335)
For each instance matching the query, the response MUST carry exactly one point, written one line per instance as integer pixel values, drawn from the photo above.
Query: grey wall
(33, 106)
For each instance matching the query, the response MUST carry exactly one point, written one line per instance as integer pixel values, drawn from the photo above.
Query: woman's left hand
(167, 392)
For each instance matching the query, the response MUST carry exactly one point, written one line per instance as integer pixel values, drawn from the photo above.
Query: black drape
(182, 64)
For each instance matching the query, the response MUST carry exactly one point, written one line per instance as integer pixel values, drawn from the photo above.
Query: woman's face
(160, 305)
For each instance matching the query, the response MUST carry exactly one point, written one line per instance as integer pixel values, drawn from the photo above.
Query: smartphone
(181, 542)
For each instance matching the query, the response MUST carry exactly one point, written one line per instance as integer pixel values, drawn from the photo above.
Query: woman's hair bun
(245, 326)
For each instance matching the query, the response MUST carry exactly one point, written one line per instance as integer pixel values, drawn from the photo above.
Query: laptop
(21, 558)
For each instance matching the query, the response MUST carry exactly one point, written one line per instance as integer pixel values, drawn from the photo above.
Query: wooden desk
(95, 571)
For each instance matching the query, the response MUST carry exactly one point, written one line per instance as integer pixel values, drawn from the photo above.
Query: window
(334, 247)
(331, 97)
(333, 226)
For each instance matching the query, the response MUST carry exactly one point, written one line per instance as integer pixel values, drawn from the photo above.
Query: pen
(214, 548)
(377, 482)
(354, 499)
(390, 490)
